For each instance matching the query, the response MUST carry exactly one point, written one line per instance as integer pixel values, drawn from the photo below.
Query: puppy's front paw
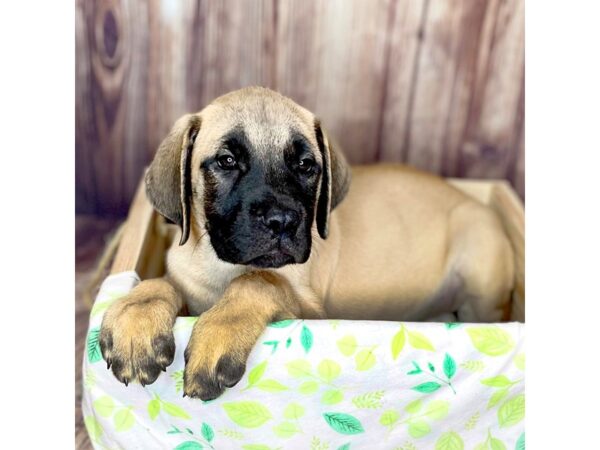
(215, 357)
(136, 339)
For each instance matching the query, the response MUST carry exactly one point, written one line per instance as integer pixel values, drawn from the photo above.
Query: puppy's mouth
(273, 259)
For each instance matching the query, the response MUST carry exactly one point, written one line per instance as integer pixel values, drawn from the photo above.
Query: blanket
(323, 384)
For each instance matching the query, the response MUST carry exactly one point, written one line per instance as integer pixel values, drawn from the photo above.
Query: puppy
(275, 225)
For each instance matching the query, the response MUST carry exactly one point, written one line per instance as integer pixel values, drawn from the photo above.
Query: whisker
(197, 242)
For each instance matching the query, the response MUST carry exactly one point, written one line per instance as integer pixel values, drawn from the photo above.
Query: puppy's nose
(281, 220)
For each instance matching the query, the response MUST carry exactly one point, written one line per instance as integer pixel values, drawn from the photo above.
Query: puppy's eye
(305, 165)
(227, 162)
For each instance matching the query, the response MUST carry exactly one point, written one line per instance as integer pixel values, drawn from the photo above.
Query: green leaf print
(398, 342)
(93, 346)
(271, 386)
(419, 341)
(491, 340)
(89, 380)
(256, 447)
(407, 446)
(491, 443)
(100, 307)
(343, 423)
(247, 414)
(256, 373)
(497, 444)
(281, 323)
(308, 387)
(93, 427)
(452, 325)
(418, 428)
(299, 368)
(417, 369)
(207, 432)
(449, 441)
(389, 418)
(104, 406)
(473, 366)
(414, 406)
(472, 421)
(153, 408)
(497, 397)
(347, 345)
(232, 434)
(344, 447)
(332, 397)
(286, 429)
(365, 359)
(449, 366)
(123, 419)
(189, 445)
(520, 361)
(427, 387)
(178, 379)
(293, 411)
(174, 410)
(520, 445)
(497, 381)
(512, 411)
(370, 400)
(328, 370)
(437, 409)
(306, 338)
(316, 444)
(273, 344)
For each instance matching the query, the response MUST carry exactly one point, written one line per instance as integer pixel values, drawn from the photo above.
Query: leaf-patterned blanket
(327, 384)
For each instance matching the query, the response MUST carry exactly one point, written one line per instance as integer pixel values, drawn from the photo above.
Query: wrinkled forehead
(268, 124)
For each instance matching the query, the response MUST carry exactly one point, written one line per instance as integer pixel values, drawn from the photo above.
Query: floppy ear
(335, 180)
(168, 179)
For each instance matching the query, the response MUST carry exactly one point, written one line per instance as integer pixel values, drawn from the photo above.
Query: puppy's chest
(201, 280)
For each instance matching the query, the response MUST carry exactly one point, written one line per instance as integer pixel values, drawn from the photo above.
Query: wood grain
(432, 83)
(331, 57)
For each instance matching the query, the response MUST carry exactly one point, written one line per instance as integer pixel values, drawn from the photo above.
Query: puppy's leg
(224, 335)
(136, 336)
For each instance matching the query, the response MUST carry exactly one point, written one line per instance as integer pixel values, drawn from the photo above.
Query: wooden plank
(496, 111)
(510, 208)
(231, 44)
(141, 65)
(110, 84)
(442, 83)
(133, 253)
(480, 190)
(438, 84)
(499, 195)
(169, 25)
(85, 143)
(331, 58)
(518, 174)
(405, 36)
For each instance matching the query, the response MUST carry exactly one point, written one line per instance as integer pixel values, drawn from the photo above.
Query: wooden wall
(438, 84)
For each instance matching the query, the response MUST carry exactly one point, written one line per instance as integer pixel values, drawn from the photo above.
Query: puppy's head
(253, 169)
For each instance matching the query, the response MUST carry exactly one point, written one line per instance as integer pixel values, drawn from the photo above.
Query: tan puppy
(256, 187)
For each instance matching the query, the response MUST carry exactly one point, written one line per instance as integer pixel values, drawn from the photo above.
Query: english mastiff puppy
(275, 225)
